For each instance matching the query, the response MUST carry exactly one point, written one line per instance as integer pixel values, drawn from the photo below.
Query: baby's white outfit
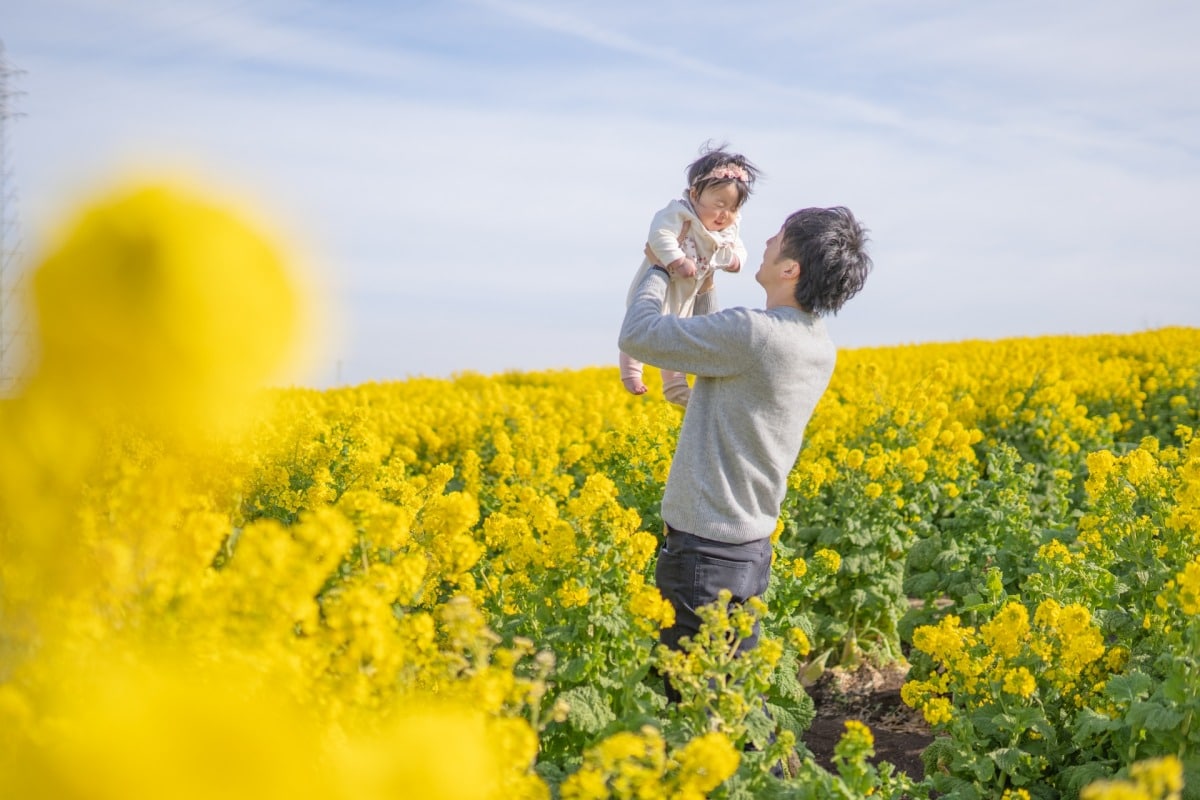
(676, 232)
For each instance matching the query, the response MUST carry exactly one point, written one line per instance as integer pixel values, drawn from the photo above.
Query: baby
(693, 237)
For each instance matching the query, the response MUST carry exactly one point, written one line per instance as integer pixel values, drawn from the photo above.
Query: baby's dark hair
(743, 174)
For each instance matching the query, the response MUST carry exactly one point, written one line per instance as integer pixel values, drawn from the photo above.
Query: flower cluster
(1152, 779)
(637, 766)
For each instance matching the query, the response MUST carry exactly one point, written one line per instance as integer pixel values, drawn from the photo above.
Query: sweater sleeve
(714, 344)
(706, 303)
(663, 239)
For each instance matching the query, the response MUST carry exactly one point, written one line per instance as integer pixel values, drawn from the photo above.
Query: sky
(472, 181)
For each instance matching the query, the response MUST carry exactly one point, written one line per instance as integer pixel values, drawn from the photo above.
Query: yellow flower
(1008, 632)
(1188, 587)
(913, 693)
(164, 308)
(1114, 790)
(124, 729)
(875, 466)
(1081, 641)
(770, 651)
(706, 762)
(648, 603)
(572, 594)
(422, 755)
(1047, 614)
(446, 515)
(1019, 681)
(1100, 464)
(938, 711)
(798, 639)
(859, 732)
(1140, 465)
(1160, 777)
(943, 641)
(827, 561)
(1054, 551)
(856, 745)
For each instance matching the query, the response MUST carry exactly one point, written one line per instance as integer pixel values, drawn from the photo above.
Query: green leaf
(939, 752)
(1089, 724)
(588, 709)
(759, 728)
(1127, 688)
(1073, 779)
(572, 670)
(922, 584)
(788, 721)
(786, 682)
(1007, 759)
(921, 555)
(1191, 776)
(553, 773)
(1177, 688)
(950, 787)
(949, 560)
(817, 534)
(984, 770)
(1152, 716)
(984, 722)
(859, 537)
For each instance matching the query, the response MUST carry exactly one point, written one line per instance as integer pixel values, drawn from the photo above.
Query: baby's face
(716, 206)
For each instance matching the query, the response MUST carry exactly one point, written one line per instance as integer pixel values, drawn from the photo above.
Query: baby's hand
(682, 268)
(735, 265)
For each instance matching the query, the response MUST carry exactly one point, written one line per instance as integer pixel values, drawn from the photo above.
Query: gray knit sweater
(759, 375)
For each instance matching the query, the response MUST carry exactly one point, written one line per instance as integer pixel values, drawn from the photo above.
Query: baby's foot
(634, 385)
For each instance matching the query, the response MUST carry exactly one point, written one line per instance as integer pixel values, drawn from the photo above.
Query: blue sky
(473, 180)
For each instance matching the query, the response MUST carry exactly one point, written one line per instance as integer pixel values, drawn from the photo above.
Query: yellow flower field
(442, 588)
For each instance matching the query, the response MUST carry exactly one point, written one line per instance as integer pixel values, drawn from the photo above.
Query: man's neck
(783, 297)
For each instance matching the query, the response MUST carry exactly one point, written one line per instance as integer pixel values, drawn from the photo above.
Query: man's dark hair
(831, 247)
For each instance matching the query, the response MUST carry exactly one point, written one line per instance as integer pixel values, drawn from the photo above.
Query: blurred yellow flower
(1188, 586)
(162, 307)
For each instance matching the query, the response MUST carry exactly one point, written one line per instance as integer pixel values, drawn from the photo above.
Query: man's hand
(735, 265)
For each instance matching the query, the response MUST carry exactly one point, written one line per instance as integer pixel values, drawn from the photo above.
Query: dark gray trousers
(692, 570)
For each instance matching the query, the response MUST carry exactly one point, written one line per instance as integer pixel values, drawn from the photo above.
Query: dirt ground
(871, 696)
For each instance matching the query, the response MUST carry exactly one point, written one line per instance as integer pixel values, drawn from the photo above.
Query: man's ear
(791, 269)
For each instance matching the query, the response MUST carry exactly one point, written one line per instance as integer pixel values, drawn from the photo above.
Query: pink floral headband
(726, 172)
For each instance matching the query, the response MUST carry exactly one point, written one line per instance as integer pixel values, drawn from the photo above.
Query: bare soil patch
(870, 695)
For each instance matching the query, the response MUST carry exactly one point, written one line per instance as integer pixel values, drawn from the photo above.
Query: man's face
(771, 259)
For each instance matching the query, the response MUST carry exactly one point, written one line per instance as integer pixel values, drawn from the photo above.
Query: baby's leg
(675, 387)
(631, 374)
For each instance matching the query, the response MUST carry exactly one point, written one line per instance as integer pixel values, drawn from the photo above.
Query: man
(759, 374)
